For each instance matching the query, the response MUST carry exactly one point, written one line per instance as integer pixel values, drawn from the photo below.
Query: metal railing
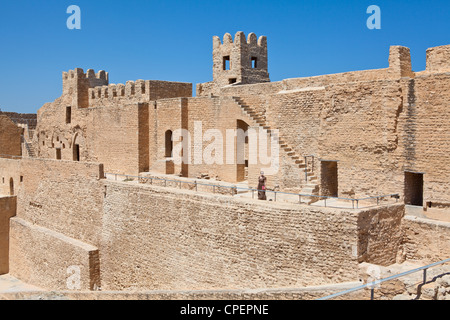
(355, 203)
(371, 285)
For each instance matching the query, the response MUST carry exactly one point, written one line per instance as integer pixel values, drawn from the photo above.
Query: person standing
(262, 187)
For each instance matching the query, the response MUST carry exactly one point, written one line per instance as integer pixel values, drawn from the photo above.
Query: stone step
(307, 190)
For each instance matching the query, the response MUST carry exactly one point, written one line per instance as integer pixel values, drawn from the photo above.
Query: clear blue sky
(172, 40)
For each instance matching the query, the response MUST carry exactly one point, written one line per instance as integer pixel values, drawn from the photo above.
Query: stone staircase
(311, 186)
(29, 148)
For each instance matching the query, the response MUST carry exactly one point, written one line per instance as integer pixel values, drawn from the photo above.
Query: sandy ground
(9, 284)
(431, 213)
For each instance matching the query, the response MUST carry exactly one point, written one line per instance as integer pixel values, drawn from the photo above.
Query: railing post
(353, 204)
(253, 194)
(299, 198)
(275, 196)
(214, 188)
(372, 293)
(325, 202)
(196, 185)
(424, 276)
(357, 204)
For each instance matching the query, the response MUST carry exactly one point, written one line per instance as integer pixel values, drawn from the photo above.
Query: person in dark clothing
(262, 187)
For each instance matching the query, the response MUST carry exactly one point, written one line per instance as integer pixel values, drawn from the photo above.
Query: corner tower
(241, 61)
(76, 85)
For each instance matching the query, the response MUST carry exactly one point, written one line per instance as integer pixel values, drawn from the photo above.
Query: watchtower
(241, 61)
(76, 84)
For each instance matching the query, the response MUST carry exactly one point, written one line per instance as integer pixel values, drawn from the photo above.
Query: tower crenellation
(76, 84)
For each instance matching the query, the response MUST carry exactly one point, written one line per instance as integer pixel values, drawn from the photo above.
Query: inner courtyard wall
(376, 124)
(8, 206)
(182, 239)
(10, 140)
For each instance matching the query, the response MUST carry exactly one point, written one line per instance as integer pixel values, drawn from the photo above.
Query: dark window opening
(58, 154)
(232, 80)
(68, 114)
(414, 188)
(254, 62)
(170, 166)
(11, 187)
(21, 178)
(226, 63)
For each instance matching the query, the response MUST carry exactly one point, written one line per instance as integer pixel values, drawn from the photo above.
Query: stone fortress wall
(143, 237)
(388, 120)
(363, 133)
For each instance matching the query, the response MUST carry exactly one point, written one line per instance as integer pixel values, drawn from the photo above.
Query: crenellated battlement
(90, 74)
(138, 88)
(438, 59)
(239, 40)
(137, 92)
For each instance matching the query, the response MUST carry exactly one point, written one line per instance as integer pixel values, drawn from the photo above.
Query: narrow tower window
(226, 63)
(254, 62)
(68, 114)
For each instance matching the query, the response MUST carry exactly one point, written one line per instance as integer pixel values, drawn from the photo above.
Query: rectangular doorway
(58, 154)
(414, 188)
(329, 178)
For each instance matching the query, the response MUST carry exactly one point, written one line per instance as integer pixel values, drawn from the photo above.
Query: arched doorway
(242, 150)
(168, 150)
(11, 186)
